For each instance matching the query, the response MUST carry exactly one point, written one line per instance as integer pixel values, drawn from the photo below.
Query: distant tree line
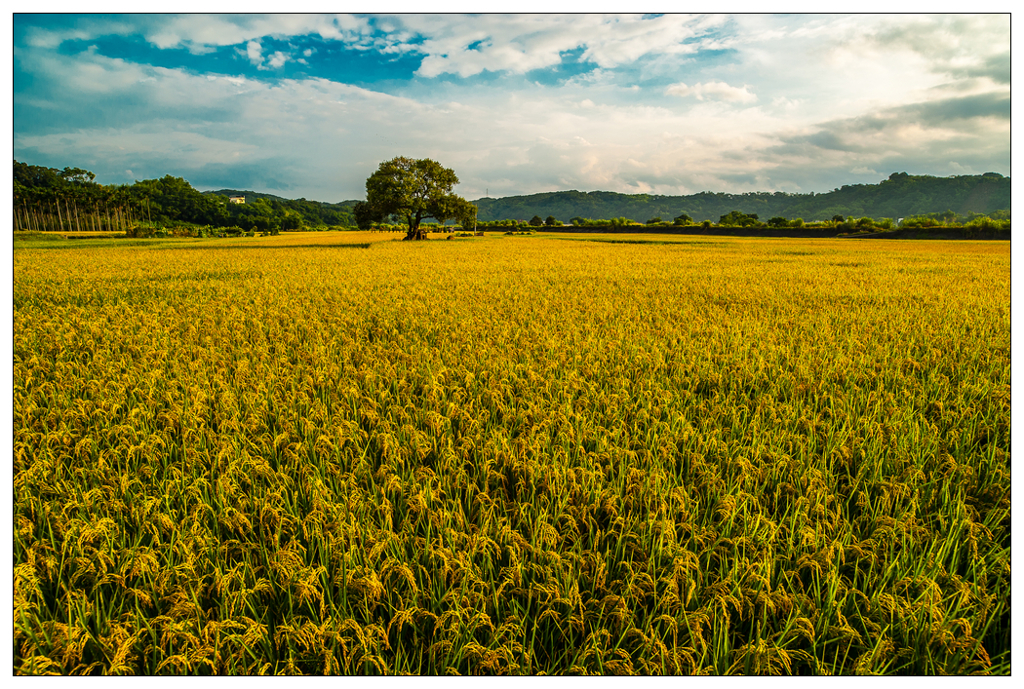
(999, 220)
(69, 200)
(48, 199)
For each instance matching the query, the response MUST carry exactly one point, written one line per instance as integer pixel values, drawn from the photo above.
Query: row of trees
(47, 199)
(838, 223)
(737, 218)
(69, 200)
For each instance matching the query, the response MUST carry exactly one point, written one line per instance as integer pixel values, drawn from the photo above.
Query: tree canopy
(413, 190)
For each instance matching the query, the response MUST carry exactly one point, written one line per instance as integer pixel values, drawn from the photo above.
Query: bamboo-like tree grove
(75, 208)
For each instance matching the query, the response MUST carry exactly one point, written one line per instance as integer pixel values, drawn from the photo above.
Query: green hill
(251, 196)
(901, 195)
(313, 212)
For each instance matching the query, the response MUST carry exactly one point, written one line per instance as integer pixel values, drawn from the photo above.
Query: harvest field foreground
(339, 453)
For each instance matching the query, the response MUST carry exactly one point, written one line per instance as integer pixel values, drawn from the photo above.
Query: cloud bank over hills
(309, 105)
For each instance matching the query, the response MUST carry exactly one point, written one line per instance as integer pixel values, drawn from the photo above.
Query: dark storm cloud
(996, 68)
(828, 140)
(849, 134)
(947, 111)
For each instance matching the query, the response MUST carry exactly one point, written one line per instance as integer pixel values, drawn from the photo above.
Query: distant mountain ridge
(901, 195)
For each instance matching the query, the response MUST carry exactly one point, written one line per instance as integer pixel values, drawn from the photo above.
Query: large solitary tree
(413, 190)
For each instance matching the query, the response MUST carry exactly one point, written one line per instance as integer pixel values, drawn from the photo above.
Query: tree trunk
(75, 225)
(415, 231)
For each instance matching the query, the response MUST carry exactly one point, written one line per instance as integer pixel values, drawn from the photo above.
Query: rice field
(343, 454)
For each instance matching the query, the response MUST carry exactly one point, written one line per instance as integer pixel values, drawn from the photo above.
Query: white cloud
(713, 90)
(255, 52)
(862, 62)
(277, 59)
(200, 32)
(519, 43)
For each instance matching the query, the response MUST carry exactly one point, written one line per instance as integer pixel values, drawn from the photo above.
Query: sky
(308, 105)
